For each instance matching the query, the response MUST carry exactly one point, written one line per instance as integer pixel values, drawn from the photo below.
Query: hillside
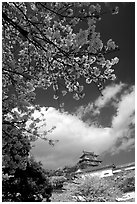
(116, 186)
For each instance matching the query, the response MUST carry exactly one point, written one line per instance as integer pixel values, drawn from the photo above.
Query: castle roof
(85, 153)
(89, 159)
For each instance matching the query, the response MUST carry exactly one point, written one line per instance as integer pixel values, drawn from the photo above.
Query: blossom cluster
(42, 48)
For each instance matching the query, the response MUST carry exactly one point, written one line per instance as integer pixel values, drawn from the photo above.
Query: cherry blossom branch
(18, 73)
(44, 37)
(15, 25)
(71, 17)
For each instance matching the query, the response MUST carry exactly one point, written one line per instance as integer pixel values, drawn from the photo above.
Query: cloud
(108, 94)
(125, 110)
(126, 144)
(123, 123)
(75, 135)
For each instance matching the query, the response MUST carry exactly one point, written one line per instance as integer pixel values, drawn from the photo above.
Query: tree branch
(44, 37)
(15, 25)
(71, 17)
(18, 73)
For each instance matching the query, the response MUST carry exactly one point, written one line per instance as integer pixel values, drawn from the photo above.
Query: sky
(103, 124)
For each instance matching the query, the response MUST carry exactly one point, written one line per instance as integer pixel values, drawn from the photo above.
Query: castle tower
(88, 159)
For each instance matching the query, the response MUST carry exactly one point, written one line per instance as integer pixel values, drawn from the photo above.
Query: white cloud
(123, 121)
(109, 93)
(126, 144)
(74, 135)
(125, 110)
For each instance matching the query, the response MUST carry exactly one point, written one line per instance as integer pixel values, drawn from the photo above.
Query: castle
(89, 165)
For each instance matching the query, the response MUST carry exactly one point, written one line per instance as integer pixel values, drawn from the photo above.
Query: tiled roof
(89, 159)
(89, 154)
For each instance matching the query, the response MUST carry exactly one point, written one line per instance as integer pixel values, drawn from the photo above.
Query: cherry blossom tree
(46, 45)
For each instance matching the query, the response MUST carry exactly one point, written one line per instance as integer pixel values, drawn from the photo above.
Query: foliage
(69, 172)
(43, 47)
(15, 149)
(95, 189)
(127, 184)
(57, 181)
(28, 185)
(23, 178)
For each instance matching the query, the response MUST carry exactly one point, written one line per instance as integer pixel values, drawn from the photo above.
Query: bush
(127, 185)
(57, 181)
(29, 185)
(96, 189)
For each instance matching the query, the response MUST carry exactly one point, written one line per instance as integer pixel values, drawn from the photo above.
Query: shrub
(29, 185)
(57, 181)
(96, 189)
(127, 185)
